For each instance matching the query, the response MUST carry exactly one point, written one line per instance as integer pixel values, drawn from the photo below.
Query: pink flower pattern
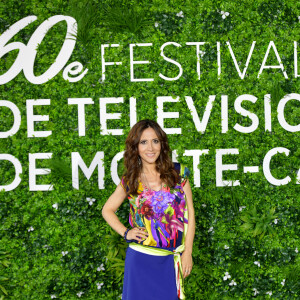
(164, 209)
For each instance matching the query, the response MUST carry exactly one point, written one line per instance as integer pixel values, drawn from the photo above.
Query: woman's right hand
(137, 233)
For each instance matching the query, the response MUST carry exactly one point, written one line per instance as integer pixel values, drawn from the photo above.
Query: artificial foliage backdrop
(55, 243)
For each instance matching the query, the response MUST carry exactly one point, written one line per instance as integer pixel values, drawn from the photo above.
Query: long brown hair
(164, 164)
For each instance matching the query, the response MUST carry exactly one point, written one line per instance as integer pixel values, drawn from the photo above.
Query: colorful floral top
(162, 213)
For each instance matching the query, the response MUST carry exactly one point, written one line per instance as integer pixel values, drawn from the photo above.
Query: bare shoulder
(188, 192)
(187, 187)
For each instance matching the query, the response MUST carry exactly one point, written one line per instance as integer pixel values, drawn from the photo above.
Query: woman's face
(149, 146)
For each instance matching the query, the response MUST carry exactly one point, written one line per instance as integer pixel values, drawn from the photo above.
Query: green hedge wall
(250, 231)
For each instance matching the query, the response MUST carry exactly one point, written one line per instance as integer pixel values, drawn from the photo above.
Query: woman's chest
(157, 203)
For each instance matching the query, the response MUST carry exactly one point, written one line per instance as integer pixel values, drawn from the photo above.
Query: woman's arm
(186, 257)
(111, 206)
(189, 239)
(108, 212)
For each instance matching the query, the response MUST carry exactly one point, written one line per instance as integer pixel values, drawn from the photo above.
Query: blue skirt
(149, 277)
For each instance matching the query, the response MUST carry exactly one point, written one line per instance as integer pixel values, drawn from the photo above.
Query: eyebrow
(151, 139)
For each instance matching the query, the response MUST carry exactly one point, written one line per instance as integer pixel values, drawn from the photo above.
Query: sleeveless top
(163, 213)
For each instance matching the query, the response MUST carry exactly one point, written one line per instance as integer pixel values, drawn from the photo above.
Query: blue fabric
(148, 277)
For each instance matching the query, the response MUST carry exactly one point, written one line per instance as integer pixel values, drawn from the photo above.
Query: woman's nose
(150, 146)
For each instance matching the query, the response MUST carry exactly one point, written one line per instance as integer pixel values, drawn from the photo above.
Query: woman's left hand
(187, 263)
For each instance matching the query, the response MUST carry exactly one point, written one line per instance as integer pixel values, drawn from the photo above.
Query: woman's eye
(143, 142)
(156, 141)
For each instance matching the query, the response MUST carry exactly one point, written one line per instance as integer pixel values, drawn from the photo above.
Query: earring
(139, 160)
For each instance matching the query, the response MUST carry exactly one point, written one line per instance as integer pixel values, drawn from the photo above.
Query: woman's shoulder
(124, 184)
(182, 171)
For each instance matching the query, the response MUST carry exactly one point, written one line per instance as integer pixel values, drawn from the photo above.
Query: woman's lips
(150, 154)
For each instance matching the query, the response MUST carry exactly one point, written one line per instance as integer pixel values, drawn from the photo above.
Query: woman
(161, 216)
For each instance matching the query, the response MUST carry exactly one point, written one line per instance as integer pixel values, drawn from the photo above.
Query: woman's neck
(149, 169)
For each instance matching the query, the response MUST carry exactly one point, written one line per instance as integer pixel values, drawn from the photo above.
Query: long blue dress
(162, 213)
(148, 277)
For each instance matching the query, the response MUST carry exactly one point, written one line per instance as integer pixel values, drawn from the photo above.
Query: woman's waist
(154, 247)
(158, 251)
